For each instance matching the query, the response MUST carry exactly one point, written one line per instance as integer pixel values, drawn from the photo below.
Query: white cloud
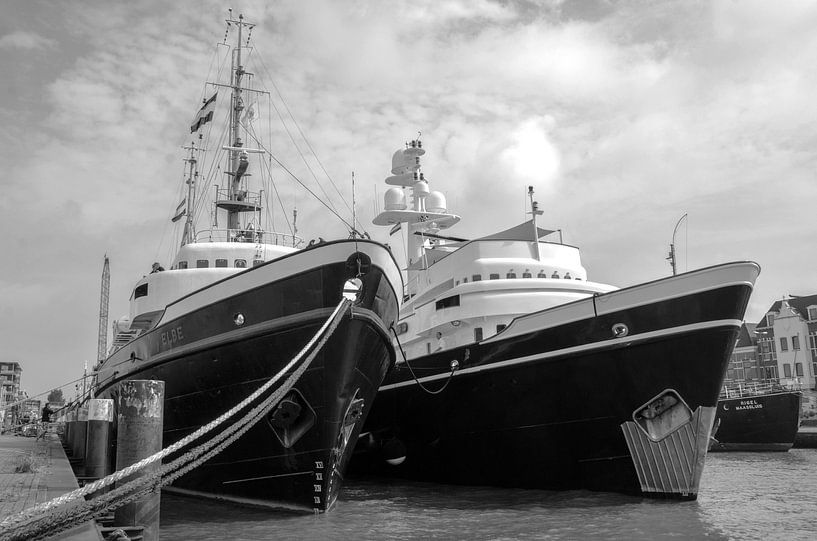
(21, 39)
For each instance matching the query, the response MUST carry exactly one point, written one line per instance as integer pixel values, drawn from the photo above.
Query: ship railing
(249, 235)
(750, 388)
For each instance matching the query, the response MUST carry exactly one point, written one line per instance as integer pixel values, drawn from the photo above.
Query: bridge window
(510, 275)
(256, 262)
(221, 262)
(202, 263)
(500, 327)
(241, 263)
(182, 265)
(448, 302)
(140, 291)
(527, 275)
(476, 277)
(477, 334)
(494, 276)
(541, 274)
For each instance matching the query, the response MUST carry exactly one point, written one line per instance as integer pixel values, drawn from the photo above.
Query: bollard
(139, 422)
(79, 432)
(68, 438)
(100, 417)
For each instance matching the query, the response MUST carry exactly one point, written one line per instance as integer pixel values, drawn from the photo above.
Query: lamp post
(671, 257)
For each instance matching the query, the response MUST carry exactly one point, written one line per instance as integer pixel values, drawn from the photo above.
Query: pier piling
(139, 421)
(100, 418)
(79, 432)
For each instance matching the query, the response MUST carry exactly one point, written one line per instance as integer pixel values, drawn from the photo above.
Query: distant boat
(521, 372)
(756, 417)
(236, 304)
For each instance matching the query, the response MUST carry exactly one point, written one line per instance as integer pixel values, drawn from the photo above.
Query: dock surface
(49, 476)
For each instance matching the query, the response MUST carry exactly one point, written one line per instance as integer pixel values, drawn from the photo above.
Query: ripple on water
(743, 496)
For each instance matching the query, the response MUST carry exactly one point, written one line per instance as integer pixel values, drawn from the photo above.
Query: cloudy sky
(623, 115)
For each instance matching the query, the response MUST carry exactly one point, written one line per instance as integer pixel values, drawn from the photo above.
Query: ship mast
(236, 200)
(192, 175)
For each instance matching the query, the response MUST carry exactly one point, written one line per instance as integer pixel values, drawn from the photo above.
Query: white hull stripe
(272, 504)
(604, 304)
(605, 344)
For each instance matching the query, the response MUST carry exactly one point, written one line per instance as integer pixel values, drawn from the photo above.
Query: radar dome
(435, 202)
(421, 188)
(395, 199)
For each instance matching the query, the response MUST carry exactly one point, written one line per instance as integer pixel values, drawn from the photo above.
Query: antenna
(534, 211)
(294, 225)
(354, 218)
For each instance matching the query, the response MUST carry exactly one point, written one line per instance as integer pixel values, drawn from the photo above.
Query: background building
(10, 374)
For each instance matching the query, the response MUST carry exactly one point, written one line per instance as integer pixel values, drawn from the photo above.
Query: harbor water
(743, 496)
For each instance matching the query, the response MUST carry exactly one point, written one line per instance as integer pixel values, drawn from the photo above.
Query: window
(202, 263)
(256, 262)
(221, 262)
(784, 344)
(494, 276)
(241, 263)
(554, 275)
(510, 275)
(477, 334)
(402, 328)
(465, 280)
(812, 313)
(428, 347)
(798, 369)
(527, 275)
(500, 328)
(476, 277)
(541, 274)
(140, 291)
(769, 319)
(786, 370)
(795, 342)
(182, 265)
(448, 302)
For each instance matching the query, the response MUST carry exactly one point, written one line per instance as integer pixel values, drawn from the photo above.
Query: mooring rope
(454, 367)
(27, 520)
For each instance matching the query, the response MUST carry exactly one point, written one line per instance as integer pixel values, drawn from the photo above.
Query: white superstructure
(464, 291)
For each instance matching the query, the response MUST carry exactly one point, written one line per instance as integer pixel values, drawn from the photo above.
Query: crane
(102, 345)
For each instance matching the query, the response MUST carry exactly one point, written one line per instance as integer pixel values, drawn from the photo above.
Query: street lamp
(671, 257)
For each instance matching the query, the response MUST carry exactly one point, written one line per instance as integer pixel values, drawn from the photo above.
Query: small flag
(205, 114)
(181, 210)
(251, 113)
(394, 229)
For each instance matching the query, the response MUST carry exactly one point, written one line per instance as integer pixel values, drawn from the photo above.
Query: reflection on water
(743, 496)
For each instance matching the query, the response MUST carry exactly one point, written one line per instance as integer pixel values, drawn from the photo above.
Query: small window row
(205, 263)
(512, 275)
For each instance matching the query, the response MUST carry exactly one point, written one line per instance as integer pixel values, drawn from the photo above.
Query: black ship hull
(562, 403)
(760, 422)
(210, 363)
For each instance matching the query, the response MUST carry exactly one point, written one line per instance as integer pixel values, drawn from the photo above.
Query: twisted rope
(36, 521)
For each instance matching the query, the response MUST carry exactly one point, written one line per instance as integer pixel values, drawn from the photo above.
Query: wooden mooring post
(80, 432)
(139, 422)
(97, 453)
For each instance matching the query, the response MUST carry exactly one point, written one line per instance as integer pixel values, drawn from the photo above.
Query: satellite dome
(403, 162)
(395, 199)
(435, 202)
(421, 188)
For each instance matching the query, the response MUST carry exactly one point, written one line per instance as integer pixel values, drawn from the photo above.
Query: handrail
(248, 236)
(746, 389)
